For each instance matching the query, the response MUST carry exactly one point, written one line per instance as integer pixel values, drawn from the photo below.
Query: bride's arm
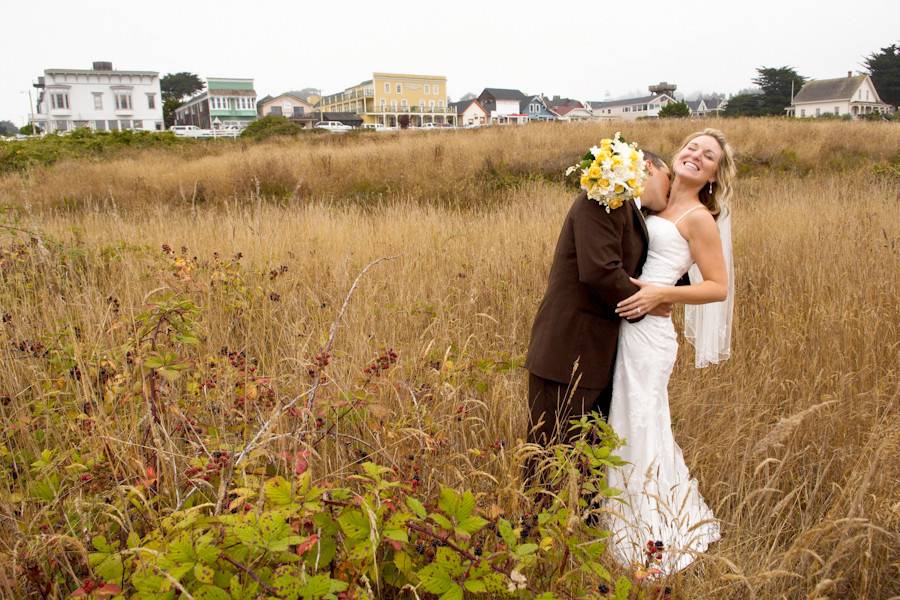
(706, 248)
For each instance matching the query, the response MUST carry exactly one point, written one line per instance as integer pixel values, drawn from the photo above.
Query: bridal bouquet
(612, 172)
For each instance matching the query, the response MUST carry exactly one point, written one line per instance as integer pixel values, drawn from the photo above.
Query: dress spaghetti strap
(686, 213)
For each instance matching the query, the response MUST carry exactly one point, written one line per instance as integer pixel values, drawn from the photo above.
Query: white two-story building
(99, 98)
(853, 95)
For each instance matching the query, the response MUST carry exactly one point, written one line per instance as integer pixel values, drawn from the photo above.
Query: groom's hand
(663, 310)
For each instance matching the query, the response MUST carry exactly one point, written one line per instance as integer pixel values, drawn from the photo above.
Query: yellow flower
(616, 161)
(605, 144)
(620, 188)
(595, 171)
(604, 154)
(585, 181)
(614, 202)
(603, 183)
(632, 183)
(637, 191)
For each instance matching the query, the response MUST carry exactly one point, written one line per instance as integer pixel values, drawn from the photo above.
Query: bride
(660, 502)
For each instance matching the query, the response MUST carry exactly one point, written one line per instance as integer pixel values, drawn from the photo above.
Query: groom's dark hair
(656, 159)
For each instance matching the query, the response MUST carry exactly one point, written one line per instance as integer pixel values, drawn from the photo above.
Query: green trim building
(226, 102)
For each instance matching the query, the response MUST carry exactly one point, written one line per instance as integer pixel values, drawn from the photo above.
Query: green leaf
(472, 524)
(404, 562)
(475, 585)
(101, 544)
(454, 593)
(441, 520)
(211, 592)
(203, 574)
(506, 532)
(417, 507)
(278, 491)
(398, 535)
(354, 524)
(526, 549)
(450, 560)
(242, 592)
(435, 579)
(109, 567)
(449, 501)
(316, 587)
(623, 588)
(134, 540)
(546, 596)
(466, 506)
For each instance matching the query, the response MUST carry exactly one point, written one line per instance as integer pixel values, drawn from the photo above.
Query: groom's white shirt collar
(637, 202)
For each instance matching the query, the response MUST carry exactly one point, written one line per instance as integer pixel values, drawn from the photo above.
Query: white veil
(708, 326)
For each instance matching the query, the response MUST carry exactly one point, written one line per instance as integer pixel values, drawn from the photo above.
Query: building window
(837, 110)
(298, 111)
(98, 101)
(124, 124)
(437, 90)
(427, 88)
(394, 105)
(137, 125)
(59, 100)
(159, 125)
(99, 125)
(123, 101)
(275, 111)
(431, 105)
(387, 87)
(151, 101)
(383, 104)
(62, 125)
(113, 125)
(817, 112)
(399, 88)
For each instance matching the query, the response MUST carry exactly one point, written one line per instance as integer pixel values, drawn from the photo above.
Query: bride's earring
(710, 188)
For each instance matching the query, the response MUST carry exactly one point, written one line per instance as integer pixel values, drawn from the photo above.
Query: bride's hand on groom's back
(648, 300)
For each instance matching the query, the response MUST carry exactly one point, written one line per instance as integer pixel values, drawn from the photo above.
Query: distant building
(226, 102)
(99, 98)
(470, 113)
(394, 98)
(288, 104)
(631, 109)
(853, 95)
(503, 105)
(537, 108)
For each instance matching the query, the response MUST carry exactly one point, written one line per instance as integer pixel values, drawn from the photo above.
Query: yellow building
(391, 98)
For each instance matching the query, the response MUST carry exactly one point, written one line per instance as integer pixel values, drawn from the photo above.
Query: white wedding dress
(660, 501)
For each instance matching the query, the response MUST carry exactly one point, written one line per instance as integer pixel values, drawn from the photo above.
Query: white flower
(571, 170)
(595, 150)
(517, 581)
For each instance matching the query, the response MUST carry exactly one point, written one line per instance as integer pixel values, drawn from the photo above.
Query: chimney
(849, 73)
(102, 66)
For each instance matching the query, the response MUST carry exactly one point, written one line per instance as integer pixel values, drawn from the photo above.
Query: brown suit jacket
(596, 254)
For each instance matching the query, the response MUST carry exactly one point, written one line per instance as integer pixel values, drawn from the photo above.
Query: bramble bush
(212, 512)
(18, 155)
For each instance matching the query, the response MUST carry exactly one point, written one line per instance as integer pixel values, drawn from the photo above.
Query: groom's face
(656, 187)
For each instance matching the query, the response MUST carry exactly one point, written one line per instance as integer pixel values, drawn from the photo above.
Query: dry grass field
(794, 441)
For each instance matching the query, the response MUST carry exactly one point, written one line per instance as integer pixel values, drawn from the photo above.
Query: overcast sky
(586, 50)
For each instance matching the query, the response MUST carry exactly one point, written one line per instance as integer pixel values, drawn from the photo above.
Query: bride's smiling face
(698, 161)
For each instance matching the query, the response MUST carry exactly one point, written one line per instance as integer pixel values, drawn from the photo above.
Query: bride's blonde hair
(715, 197)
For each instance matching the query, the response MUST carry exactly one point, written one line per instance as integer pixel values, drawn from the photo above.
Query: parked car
(333, 126)
(189, 131)
(376, 127)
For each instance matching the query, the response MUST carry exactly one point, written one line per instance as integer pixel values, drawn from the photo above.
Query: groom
(576, 331)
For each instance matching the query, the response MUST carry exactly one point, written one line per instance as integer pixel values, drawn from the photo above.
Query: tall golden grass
(794, 440)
